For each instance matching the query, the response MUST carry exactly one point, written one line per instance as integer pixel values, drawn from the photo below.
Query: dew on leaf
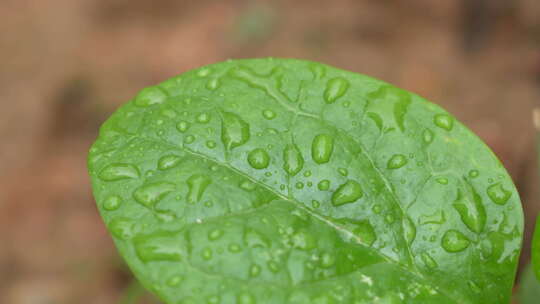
(182, 126)
(215, 234)
(189, 139)
(168, 162)
(347, 193)
(150, 96)
(293, 161)
(498, 194)
(112, 202)
(148, 195)
(454, 241)
(322, 148)
(444, 121)
(197, 184)
(234, 130)
(397, 161)
(269, 114)
(335, 88)
(258, 158)
(323, 185)
(119, 171)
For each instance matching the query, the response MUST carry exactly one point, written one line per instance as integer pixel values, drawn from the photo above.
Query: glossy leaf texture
(287, 181)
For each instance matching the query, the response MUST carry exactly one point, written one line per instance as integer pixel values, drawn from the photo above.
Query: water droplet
(234, 248)
(234, 131)
(121, 228)
(472, 212)
(409, 229)
(335, 88)
(454, 241)
(213, 84)
(197, 184)
(115, 172)
(245, 298)
(207, 254)
(347, 193)
(215, 234)
(389, 218)
(174, 281)
(327, 260)
(254, 270)
(315, 204)
(442, 180)
(397, 161)
(444, 121)
(150, 96)
(247, 185)
(258, 158)
(112, 203)
(269, 114)
(210, 144)
(148, 195)
(323, 185)
(203, 72)
(189, 139)
(428, 136)
(158, 246)
(377, 209)
(498, 194)
(343, 171)
(307, 173)
(273, 266)
(474, 173)
(299, 185)
(168, 162)
(428, 260)
(293, 160)
(182, 126)
(203, 118)
(322, 148)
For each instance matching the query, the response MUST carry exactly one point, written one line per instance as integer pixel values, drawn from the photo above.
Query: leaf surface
(287, 181)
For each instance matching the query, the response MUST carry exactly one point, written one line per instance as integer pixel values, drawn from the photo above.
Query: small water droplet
(174, 281)
(389, 218)
(207, 253)
(454, 241)
(498, 194)
(254, 270)
(323, 185)
(168, 162)
(269, 114)
(442, 180)
(203, 72)
(347, 193)
(474, 173)
(150, 96)
(299, 185)
(293, 160)
(315, 204)
(182, 126)
(428, 260)
(258, 158)
(247, 185)
(210, 144)
(471, 211)
(273, 266)
(115, 172)
(197, 184)
(203, 118)
(213, 84)
(189, 139)
(377, 209)
(335, 88)
(397, 161)
(215, 234)
(112, 203)
(245, 298)
(409, 229)
(121, 228)
(327, 260)
(444, 121)
(322, 148)
(343, 171)
(234, 131)
(234, 248)
(428, 136)
(148, 195)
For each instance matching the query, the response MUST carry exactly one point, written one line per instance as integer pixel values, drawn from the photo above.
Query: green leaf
(286, 181)
(529, 286)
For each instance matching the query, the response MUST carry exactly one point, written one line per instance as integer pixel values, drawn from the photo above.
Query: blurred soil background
(65, 65)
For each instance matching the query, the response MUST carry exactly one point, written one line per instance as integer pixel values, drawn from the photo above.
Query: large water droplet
(197, 184)
(471, 211)
(498, 194)
(335, 88)
(115, 172)
(347, 193)
(397, 161)
(168, 162)
(158, 246)
(322, 148)
(234, 131)
(150, 96)
(444, 121)
(454, 241)
(113, 202)
(258, 158)
(292, 159)
(148, 195)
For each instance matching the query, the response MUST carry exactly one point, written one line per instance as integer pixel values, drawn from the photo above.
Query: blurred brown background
(65, 65)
